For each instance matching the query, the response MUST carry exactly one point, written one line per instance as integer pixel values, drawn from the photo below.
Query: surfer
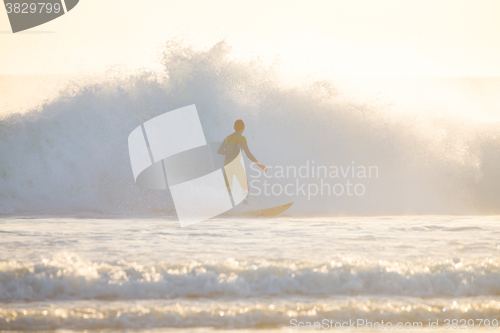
(234, 166)
(235, 170)
(234, 143)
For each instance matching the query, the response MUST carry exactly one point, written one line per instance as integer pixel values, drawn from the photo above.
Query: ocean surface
(78, 260)
(117, 274)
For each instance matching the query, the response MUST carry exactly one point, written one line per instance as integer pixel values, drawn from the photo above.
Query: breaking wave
(68, 278)
(70, 156)
(243, 314)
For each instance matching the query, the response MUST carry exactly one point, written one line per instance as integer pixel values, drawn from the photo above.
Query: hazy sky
(353, 37)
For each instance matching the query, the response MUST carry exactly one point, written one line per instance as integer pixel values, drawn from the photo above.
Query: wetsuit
(231, 148)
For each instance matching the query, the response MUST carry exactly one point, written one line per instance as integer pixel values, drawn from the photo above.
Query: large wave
(70, 156)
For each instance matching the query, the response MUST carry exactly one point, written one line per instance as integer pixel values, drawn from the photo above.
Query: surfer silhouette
(231, 147)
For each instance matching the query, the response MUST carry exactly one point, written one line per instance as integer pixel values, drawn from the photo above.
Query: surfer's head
(239, 126)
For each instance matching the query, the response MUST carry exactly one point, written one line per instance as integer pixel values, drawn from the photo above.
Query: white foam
(68, 278)
(250, 313)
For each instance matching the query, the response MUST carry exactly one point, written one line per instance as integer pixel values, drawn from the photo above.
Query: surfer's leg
(229, 181)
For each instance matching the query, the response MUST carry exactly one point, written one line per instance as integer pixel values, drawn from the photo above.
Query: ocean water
(244, 274)
(82, 247)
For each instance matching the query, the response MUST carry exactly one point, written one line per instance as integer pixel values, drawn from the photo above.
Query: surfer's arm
(251, 157)
(222, 148)
(248, 153)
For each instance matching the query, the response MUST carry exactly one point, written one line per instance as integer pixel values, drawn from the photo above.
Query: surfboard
(268, 212)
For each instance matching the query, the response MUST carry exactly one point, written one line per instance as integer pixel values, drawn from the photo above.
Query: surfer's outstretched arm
(248, 153)
(222, 148)
(251, 157)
